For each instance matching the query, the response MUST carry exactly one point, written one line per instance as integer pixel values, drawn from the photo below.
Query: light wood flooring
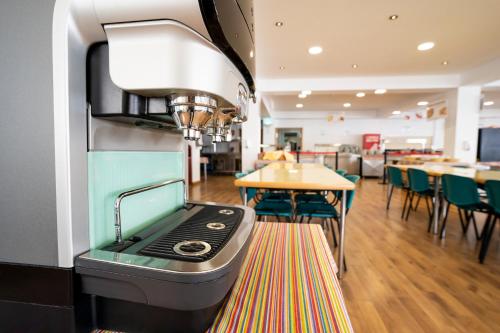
(401, 278)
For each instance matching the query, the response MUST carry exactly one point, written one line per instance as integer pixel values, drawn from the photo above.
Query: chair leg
(474, 224)
(334, 236)
(418, 203)
(405, 203)
(443, 227)
(309, 220)
(410, 204)
(301, 218)
(464, 226)
(431, 213)
(390, 197)
(487, 237)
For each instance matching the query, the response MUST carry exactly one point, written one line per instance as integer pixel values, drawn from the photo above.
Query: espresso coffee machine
(115, 243)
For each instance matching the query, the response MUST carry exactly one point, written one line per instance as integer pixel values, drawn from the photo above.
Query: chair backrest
(251, 192)
(350, 194)
(341, 172)
(395, 176)
(460, 191)
(493, 190)
(418, 180)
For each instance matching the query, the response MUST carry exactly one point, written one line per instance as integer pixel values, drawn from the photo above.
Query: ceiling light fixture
(299, 105)
(393, 17)
(422, 103)
(279, 24)
(282, 67)
(396, 112)
(302, 95)
(425, 46)
(314, 50)
(347, 105)
(444, 63)
(306, 92)
(380, 91)
(360, 94)
(488, 103)
(354, 66)
(251, 54)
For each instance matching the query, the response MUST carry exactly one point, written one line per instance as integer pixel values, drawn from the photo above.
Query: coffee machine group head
(189, 65)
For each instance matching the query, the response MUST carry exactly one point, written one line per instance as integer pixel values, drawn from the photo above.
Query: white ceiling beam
(359, 83)
(482, 74)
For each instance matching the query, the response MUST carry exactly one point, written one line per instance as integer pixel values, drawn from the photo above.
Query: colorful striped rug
(287, 284)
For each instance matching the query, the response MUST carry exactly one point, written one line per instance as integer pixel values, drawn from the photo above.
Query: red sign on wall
(370, 140)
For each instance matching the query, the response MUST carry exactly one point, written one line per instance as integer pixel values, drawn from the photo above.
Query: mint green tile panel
(111, 173)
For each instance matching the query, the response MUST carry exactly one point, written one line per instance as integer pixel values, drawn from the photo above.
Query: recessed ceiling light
(396, 112)
(279, 24)
(425, 46)
(306, 92)
(393, 17)
(360, 94)
(380, 91)
(315, 50)
(347, 105)
(444, 63)
(299, 105)
(422, 103)
(282, 67)
(302, 95)
(354, 66)
(488, 103)
(251, 54)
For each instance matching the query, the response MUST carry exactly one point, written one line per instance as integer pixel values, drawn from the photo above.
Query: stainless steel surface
(226, 211)
(179, 269)
(178, 248)
(191, 113)
(121, 196)
(342, 234)
(216, 226)
(220, 124)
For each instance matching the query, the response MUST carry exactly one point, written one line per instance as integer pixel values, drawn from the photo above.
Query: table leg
(435, 217)
(342, 232)
(245, 196)
(205, 170)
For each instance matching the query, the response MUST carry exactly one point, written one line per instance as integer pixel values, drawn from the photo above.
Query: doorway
(289, 138)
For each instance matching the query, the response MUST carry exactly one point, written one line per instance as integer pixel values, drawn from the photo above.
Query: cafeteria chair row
(459, 191)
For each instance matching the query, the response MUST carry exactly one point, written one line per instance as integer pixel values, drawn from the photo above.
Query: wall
(27, 176)
(195, 162)
(250, 136)
(320, 131)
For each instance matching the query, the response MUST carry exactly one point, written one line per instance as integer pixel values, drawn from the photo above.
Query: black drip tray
(199, 238)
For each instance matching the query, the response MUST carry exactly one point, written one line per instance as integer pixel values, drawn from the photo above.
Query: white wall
(250, 136)
(195, 161)
(320, 131)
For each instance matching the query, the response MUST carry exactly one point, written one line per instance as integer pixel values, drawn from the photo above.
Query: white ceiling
(333, 101)
(466, 33)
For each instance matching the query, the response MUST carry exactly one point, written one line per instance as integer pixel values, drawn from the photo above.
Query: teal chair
(420, 186)
(493, 191)
(325, 211)
(396, 181)
(341, 172)
(463, 193)
(270, 204)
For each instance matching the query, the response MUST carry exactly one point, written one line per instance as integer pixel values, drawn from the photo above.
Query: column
(462, 123)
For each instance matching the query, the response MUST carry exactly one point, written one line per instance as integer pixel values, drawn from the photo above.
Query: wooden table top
(480, 176)
(287, 283)
(295, 176)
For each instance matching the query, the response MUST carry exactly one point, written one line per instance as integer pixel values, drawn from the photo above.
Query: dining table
(291, 176)
(436, 171)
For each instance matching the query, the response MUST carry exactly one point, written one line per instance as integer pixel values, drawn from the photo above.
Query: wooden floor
(401, 278)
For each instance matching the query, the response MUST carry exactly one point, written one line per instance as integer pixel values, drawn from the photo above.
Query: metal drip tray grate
(199, 238)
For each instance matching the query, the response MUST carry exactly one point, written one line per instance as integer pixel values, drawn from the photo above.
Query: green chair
(341, 172)
(463, 193)
(493, 191)
(396, 181)
(271, 204)
(420, 186)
